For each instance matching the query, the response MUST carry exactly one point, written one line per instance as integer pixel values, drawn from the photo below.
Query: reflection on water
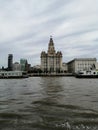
(49, 103)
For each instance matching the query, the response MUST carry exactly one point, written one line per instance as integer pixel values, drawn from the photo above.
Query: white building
(52, 60)
(81, 64)
(97, 66)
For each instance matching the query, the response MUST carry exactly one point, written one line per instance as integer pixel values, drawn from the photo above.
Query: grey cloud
(25, 27)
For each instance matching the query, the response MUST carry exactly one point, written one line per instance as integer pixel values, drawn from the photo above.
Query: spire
(51, 41)
(51, 48)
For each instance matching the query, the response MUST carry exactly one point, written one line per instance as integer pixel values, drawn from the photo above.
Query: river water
(49, 103)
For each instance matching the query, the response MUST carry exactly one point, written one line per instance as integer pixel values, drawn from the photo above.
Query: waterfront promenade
(50, 74)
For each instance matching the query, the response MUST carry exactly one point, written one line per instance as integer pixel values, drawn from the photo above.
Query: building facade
(10, 62)
(16, 66)
(23, 64)
(81, 64)
(64, 67)
(51, 61)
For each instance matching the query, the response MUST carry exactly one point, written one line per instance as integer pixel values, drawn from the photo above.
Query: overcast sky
(26, 26)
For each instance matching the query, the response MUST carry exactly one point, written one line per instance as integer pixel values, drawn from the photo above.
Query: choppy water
(49, 103)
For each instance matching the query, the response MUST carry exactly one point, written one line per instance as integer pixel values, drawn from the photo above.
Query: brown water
(49, 103)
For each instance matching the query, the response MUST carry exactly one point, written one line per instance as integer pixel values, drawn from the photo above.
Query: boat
(13, 74)
(87, 74)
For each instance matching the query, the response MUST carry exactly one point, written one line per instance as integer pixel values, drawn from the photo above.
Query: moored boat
(13, 74)
(87, 74)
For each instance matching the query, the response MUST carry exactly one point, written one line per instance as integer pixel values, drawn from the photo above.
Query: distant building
(81, 64)
(28, 67)
(16, 66)
(64, 67)
(23, 64)
(37, 66)
(10, 62)
(52, 60)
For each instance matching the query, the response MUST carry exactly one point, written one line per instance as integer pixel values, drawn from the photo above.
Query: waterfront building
(10, 62)
(28, 68)
(51, 61)
(97, 66)
(16, 66)
(64, 67)
(78, 64)
(23, 64)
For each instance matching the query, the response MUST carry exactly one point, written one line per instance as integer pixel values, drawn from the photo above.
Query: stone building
(51, 61)
(64, 67)
(81, 64)
(16, 66)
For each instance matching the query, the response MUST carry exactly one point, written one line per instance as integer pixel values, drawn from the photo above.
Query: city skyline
(26, 27)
